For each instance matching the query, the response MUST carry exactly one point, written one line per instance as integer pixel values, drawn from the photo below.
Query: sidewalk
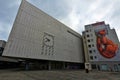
(58, 75)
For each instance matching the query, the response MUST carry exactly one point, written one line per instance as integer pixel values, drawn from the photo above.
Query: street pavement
(15, 74)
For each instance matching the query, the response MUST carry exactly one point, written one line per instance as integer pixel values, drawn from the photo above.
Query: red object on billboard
(106, 47)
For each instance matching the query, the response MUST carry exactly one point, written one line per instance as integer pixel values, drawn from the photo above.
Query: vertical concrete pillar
(63, 65)
(26, 65)
(49, 65)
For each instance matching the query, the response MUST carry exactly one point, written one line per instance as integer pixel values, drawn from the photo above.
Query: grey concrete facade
(36, 35)
(2, 43)
(4, 59)
(2, 46)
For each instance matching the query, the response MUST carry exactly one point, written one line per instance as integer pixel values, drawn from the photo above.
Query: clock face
(48, 40)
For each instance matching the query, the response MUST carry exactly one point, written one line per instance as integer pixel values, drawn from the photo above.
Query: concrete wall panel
(36, 35)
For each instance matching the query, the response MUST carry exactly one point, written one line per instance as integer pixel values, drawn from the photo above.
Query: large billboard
(107, 44)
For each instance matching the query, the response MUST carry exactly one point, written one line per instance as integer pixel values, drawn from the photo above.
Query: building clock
(48, 40)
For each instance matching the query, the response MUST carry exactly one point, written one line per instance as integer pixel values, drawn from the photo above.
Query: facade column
(49, 65)
(64, 65)
(26, 65)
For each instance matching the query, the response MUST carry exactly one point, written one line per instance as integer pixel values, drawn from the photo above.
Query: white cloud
(77, 13)
(14, 3)
(83, 12)
(72, 20)
(4, 31)
(8, 12)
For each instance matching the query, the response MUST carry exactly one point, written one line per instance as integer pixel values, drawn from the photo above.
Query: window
(91, 57)
(89, 46)
(86, 30)
(92, 45)
(90, 51)
(94, 66)
(119, 67)
(88, 40)
(115, 67)
(94, 50)
(83, 32)
(104, 67)
(95, 57)
(88, 36)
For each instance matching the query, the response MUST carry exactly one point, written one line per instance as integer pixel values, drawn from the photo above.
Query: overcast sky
(73, 13)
